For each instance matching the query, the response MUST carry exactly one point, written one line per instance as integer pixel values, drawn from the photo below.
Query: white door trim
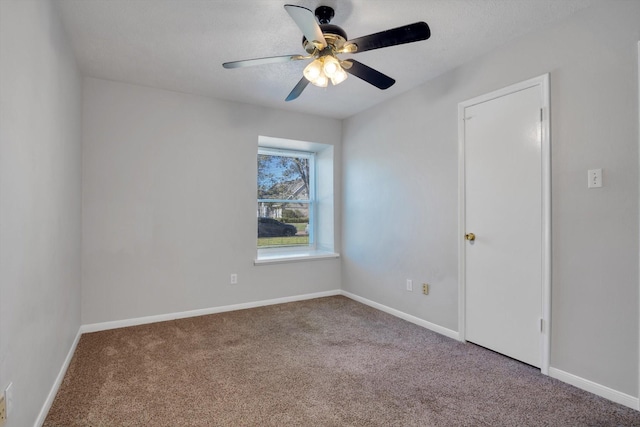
(542, 82)
(638, 71)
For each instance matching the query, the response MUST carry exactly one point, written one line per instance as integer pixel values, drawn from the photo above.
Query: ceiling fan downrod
(324, 14)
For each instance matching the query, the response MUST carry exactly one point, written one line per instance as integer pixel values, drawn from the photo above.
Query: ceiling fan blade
(261, 61)
(297, 90)
(306, 21)
(369, 75)
(395, 36)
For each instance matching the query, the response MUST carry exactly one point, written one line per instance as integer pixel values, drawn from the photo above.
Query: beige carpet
(323, 362)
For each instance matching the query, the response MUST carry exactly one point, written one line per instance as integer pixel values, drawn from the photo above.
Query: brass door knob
(470, 237)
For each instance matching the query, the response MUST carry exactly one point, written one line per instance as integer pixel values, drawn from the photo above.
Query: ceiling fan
(323, 42)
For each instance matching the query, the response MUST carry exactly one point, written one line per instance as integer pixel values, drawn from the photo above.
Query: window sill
(281, 258)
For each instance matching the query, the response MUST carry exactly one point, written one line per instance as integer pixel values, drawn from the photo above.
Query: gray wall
(169, 203)
(40, 171)
(400, 190)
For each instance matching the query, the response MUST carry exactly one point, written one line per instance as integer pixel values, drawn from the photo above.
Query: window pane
(283, 177)
(283, 224)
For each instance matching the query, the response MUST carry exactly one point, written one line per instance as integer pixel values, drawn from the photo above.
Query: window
(286, 192)
(295, 217)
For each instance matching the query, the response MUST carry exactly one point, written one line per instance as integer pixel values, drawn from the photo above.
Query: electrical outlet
(425, 288)
(234, 279)
(594, 178)
(409, 285)
(3, 410)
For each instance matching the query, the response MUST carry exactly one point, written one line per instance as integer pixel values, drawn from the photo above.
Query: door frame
(542, 82)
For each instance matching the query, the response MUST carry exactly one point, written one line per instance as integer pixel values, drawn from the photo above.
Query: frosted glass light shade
(321, 81)
(331, 66)
(313, 70)
(339, 76)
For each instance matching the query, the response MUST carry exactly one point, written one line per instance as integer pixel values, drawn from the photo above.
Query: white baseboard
(95, 327)
(57, 383)
(409, 318)
(595, 388)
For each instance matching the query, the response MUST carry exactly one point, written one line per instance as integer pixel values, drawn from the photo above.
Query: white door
(503, 208)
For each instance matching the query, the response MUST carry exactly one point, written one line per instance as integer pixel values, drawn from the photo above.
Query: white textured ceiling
(180, 45)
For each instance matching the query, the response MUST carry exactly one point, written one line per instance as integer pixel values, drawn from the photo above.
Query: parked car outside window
(269, 227)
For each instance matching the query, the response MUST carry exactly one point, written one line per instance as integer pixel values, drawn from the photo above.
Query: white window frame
(311, 156)
(321, 238)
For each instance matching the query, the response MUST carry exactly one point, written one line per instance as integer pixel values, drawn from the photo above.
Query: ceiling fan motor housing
(334, 35)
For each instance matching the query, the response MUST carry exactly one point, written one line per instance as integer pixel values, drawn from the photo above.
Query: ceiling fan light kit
(323, 43)
(324, 69)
